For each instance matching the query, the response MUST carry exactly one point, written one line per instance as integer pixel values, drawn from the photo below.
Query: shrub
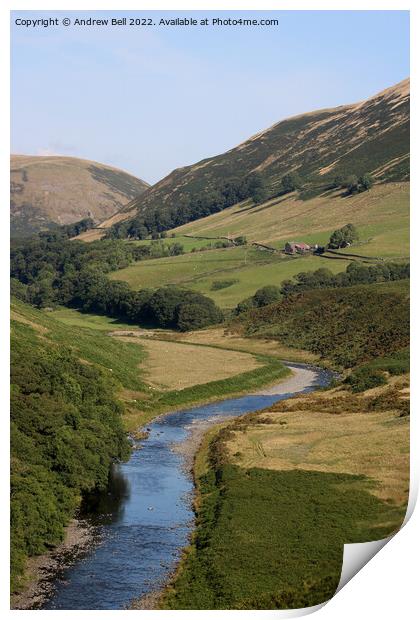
(349, 326)
(365, 378)
(266, 295)
(217, 285)
(262, 297)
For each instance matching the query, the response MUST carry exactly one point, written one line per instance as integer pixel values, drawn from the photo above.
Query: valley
(165, 337)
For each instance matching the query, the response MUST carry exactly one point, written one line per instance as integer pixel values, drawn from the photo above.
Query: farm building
(292, 247)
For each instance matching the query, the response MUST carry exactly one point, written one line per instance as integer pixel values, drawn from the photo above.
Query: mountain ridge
(53, 189)
(369, 136)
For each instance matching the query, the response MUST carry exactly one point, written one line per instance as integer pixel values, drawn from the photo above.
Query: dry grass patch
(308, 437)
(16, 316)
(175, 365)
(218, 337)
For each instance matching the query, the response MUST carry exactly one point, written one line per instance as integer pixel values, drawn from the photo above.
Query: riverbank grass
(280, 492)
(215, 372)
(269, 371)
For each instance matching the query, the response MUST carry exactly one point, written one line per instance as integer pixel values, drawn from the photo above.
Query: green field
(128, 362)
(381, 216)
(252, 268)
(188, 243)
(68, 316)
(273, 538)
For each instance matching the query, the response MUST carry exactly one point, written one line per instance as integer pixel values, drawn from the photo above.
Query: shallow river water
(145, 517)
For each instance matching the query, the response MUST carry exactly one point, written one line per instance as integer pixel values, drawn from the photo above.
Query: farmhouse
(292, 247)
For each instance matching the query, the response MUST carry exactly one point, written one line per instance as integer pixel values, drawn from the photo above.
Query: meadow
(381, 216)
(148, 365)
(251, 268)
(280, 491)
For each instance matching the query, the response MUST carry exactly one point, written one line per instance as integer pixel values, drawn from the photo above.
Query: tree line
(156, 221)
(46, 273)
(356, 273)
(194, 207)
(67, 231)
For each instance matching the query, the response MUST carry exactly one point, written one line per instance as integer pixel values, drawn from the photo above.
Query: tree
(193, 316)
(166, 304)
(259, 195)
(352, 184)
(290, 182)
(244, 305)
(365, 182)
(176, 249)
(256, 188)
(340, 181)
(266, 295)
(18, 289)
(343, 237)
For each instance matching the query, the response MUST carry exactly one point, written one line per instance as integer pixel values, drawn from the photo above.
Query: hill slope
(62, 190)
(371, 136)
(381, 216)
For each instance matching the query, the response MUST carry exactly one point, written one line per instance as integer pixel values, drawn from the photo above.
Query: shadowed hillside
(62, 190)
(367, 137)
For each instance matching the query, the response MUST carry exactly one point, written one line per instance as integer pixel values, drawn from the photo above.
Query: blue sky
(151, 99)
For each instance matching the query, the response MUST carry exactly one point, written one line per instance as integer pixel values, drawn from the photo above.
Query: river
(144, 518)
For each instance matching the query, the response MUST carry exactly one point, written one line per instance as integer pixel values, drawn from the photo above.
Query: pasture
(251, 268)
(381, 216)
(281, 491)
(383, 208)
(156, 372)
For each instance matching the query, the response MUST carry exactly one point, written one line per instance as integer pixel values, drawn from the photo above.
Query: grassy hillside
(281, 491)
(62, 190)
(367, 137)
(145, 366)
(119, 361)
(381, 216)
(66, 429)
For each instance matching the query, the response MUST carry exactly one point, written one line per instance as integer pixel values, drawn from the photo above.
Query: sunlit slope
(370, 136)
(246, 269)
(381, 215)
